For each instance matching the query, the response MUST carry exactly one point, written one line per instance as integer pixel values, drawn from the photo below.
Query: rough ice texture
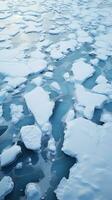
(82, 70)
(9, 155)
(33, 191)
(91, 177)
(14, 82)
(103, 88)
(88, 100)
(22, 68)
(16, 112)
(60, 49)
(31, 137)
(40, 104)
(6, 186)
(106, 116)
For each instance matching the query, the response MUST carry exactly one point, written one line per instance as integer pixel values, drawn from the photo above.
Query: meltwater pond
(55, 85)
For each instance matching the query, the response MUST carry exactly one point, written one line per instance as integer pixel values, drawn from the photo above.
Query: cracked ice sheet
(91, 177)
(39, 103)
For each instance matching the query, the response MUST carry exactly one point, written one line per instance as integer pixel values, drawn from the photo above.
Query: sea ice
(52, 146)
(16, 112)
(55, 86)
(103, 88)
(106, 116)
(40, 104)
(9, 155)
(33, 191)
(82, 70)
(88, 100)
(6, 186)
(91, 144)
(31, 137)
(13, 82)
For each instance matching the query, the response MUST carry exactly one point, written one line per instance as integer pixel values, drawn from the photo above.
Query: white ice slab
(40, 104)
(103, 88)
(31, 137)
(88, 100)
(9, 155)
(82, 70)
(91, 177)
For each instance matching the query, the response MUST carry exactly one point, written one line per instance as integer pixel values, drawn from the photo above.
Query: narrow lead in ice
(6, 186)
(38, 101)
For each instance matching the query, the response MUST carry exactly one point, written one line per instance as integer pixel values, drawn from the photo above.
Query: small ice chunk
(50, 68)
(101, 79)
(52, 146)
(9, 155)
(103, 88)
(48, 75)
(6, 186)
(19, 165)
(37, 81)
(106, 116)
(31, 137)
(88, 100)
(33, 191)
(82, 70)
(66, 76)
(55, 86)
(16, 112)
(39, 103)
(47, 128)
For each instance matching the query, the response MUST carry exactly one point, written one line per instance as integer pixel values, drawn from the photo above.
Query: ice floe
(91, 144)
(31, 137)
(6, 186)
(9, 155)
(55, 86)
(82, 70)
(106, 116)
(40, 104)
(103, 88)
(16, 112)
(33, 191)
(88, 100)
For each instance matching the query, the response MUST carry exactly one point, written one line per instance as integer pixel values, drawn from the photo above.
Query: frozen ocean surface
(55, 99)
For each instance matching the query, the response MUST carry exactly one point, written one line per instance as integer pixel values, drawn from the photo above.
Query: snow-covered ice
(16, 112)
(9, 155)
(39, 103)
(88, 100)
(91, 144)
(31, 137)
(82, 70)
